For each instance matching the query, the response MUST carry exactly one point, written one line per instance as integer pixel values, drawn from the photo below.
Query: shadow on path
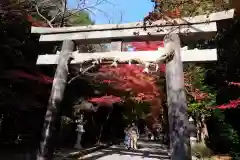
(147, 151)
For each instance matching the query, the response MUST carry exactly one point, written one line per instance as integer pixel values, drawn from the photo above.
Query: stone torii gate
(189, 28)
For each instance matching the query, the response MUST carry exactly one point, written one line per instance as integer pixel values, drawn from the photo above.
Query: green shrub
(200, 150)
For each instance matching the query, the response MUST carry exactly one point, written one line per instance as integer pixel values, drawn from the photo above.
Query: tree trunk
(165, 125)
(177, 106)
(50, 124)
(78, 144)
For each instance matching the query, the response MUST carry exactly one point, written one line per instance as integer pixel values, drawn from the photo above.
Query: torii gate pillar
(177, 106)
(59, 84)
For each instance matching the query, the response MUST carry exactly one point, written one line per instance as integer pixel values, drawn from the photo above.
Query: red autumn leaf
(36, 76)
(234, 83)
(146, 46)
(36, 23)
(107, 81)
(230, 105)
(105, 100)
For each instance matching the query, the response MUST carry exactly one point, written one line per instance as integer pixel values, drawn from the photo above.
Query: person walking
(127, 137)
(134, 135)
(148, 133)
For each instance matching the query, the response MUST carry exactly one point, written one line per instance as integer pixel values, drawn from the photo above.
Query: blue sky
(117, 11)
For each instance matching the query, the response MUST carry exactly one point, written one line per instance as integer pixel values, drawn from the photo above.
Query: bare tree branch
(89, 8)
(48, 22)
(82, 73)
(64, 8)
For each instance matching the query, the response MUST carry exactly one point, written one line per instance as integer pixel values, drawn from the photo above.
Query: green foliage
(135, 111)
(227, 129)
(79, 18)
(199, 7)
(197, 80)
(189, 8)
(200, 150)
(223, 133)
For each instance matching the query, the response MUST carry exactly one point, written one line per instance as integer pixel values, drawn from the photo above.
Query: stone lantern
(193, 131)
(80, 130)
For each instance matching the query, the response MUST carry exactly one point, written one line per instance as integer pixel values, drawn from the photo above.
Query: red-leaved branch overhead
(233, 83)
(131, 78)
(36, 23)
(105, 100)
(230, 105)
(37, 76)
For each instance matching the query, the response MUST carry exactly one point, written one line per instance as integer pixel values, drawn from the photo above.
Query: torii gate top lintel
(138, 30)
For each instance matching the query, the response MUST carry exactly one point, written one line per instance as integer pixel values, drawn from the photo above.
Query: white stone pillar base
(193, 140)
(78, 141)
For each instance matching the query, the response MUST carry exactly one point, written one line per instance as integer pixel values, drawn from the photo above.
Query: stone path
(147, 151)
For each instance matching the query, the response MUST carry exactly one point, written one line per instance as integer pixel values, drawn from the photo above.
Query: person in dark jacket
(127, 137)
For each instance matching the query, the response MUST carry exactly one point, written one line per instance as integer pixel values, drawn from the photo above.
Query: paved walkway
(147, 151)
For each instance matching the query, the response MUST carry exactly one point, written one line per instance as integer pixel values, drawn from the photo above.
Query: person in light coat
(134, 135)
